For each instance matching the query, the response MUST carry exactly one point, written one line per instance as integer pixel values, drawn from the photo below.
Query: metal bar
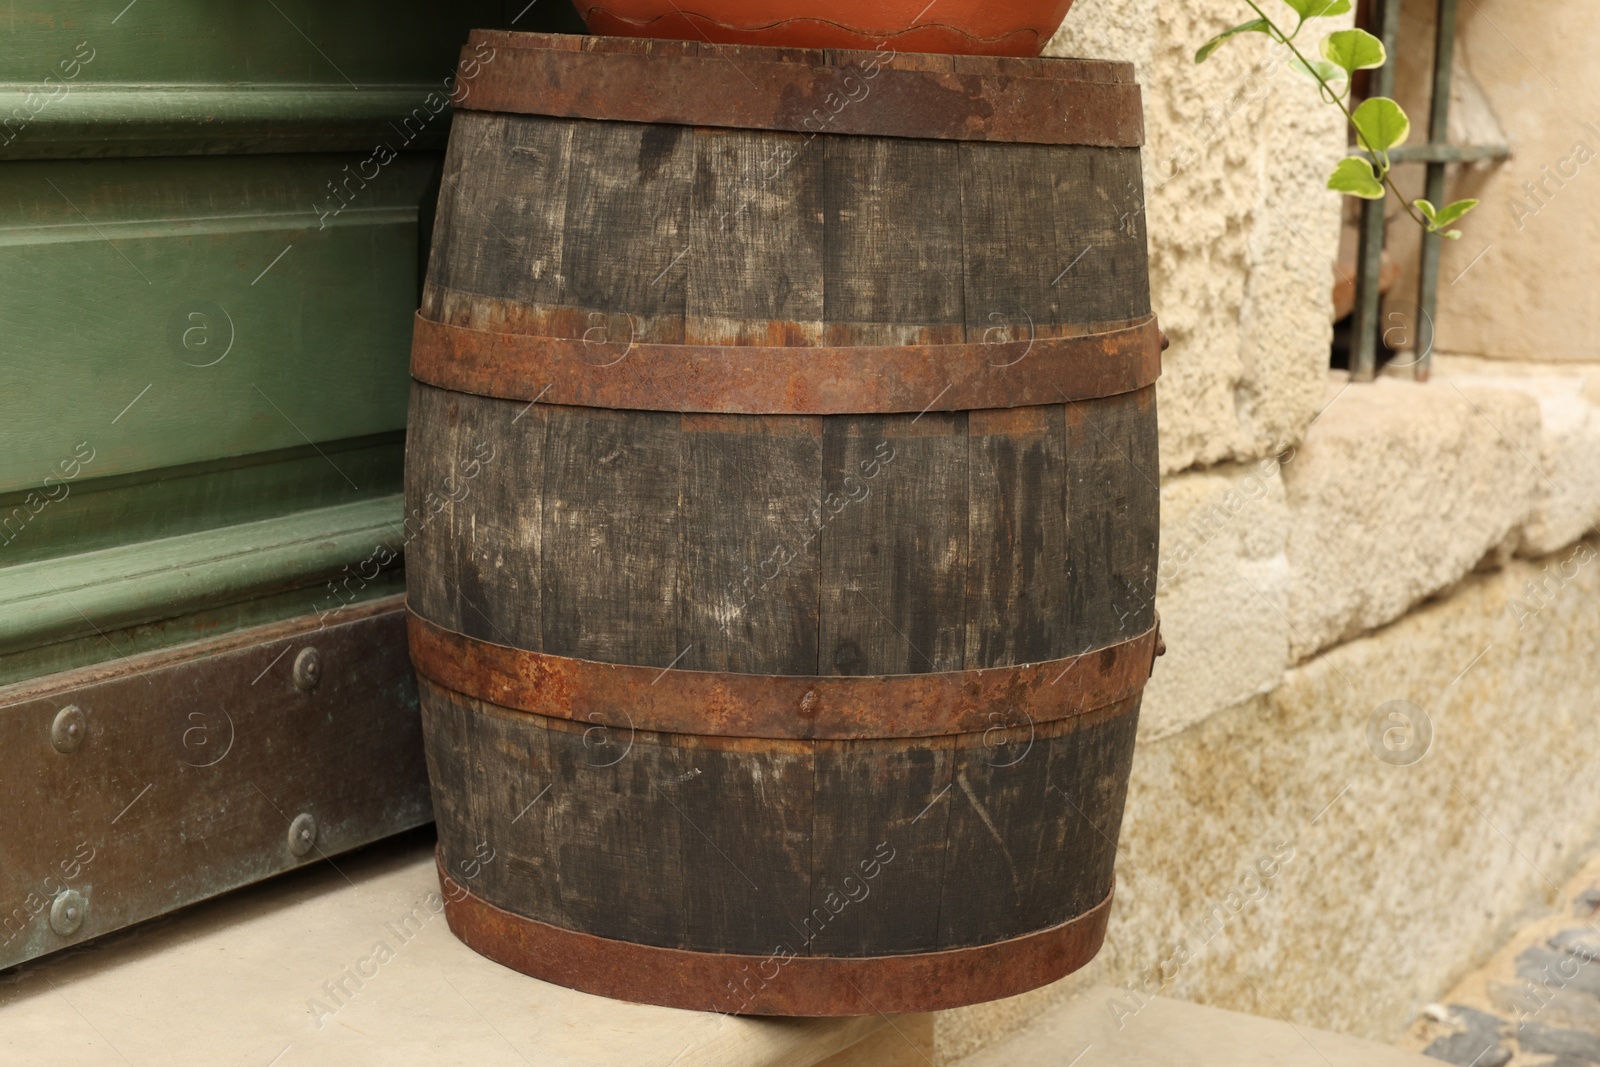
(1369, 262)
(1448, 153)
(709, 703)
(142, 786)
(781, 984)
(805, 91)
(1438, 134)
(775, 380)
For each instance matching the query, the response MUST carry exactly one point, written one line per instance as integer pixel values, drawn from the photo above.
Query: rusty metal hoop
(835, 91)
(782, 707)
(780, 984)
(771, 380)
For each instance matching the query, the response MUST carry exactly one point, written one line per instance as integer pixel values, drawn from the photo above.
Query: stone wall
(1242, 231)
(1515, 287)
(1272, 863)
(1345, 568)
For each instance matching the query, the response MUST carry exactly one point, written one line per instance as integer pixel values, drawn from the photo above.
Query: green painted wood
(94, 513)
(113, 120)
(294, 42)
(115, 645)
(162, 312)
(53, 600)
(187, 76)
(207, 344)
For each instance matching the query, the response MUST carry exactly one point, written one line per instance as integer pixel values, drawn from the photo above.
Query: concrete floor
(1175, 1033)
(246, 980)
(254, 980)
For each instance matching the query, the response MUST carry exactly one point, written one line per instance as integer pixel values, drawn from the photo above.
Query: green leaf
(1451, 212)
(1318, 9)
(1354, 50)
(1381, 124)
(1439, 218)
(1356, 177)
(1253, 26)
(1330, 73)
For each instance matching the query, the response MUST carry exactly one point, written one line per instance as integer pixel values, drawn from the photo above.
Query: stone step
(1085, 1032)
(255, 978)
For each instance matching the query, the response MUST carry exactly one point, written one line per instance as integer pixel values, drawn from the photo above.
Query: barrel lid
(806, 91)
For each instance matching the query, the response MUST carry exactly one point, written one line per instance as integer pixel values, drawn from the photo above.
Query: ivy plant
(1379, 122)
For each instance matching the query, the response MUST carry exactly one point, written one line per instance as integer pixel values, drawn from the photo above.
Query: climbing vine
(1379, 122)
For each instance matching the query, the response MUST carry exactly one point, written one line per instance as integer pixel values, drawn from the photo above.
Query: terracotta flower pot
(983, 27)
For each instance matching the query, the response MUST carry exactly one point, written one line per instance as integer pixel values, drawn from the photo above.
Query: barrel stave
(612, 485)
(799, 545)
(749, 591)
(1113, 529)
(758, 237)
(892, 239)
(734, 845)
(1017, 520)
(894, 547)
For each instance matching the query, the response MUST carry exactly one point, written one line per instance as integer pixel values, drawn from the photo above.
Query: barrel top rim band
(782, 707)
(792, 985)
(798, 380)
(802, 91)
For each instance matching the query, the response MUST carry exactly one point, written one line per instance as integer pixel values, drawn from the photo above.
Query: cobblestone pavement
(1536, 1003)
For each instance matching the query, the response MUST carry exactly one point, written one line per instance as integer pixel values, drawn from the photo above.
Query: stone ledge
(1173, 1033)
(1223, 594)
(256, 975)
(1398, 492)
(1568, 501)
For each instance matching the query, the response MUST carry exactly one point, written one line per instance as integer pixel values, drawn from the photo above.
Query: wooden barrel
(782, 518)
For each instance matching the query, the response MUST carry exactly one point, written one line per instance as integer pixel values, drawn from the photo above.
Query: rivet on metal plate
(307, 670)
(302, 834)
(69, 729)
(67, 912)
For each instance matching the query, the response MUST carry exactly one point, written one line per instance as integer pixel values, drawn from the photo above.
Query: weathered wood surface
(833, 848)
(897, 544)
(786, 545)
(736, 236)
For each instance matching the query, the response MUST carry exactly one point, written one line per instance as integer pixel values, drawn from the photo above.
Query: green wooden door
(212, 219)
(213, 216)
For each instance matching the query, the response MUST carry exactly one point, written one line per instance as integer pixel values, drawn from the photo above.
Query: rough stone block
(1398, 492)
(1401, 873)
(1243, 232)
(1223, 591)
(1552, 1040)
(1568, 502)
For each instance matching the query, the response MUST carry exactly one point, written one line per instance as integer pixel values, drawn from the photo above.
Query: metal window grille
(1436, 154)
